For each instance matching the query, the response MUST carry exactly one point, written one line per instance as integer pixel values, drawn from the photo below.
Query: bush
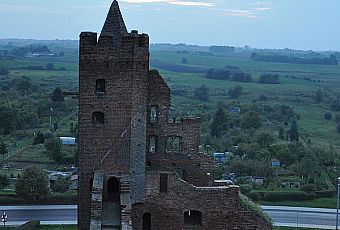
(246, 188)
(288, 195)
(308, 188)
(335, 105)
(255, 196)
(242, 77)
(235, 92)
(30, 225)
(60, 198)
(328, 115)
(50, 66)
(263, 97)
(202, 93)
(255, 209)
(269, 79)
(4, 71)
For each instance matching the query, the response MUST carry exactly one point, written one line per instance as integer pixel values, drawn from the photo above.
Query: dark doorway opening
(113, 190)
(147, 221)
(192, 218)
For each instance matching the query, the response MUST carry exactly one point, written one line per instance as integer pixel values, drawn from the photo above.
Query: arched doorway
(111, 210)
(113, 190)
(147, 221)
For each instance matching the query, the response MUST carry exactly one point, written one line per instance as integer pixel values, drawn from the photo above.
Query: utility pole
(337, 205)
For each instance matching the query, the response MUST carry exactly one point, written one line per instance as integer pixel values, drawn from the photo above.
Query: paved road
(67, 214)
(302, 217)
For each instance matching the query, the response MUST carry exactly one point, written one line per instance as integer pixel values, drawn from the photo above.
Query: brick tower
(112, 117)
(139, 168)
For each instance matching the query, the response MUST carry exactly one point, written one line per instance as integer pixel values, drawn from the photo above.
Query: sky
(296, 24)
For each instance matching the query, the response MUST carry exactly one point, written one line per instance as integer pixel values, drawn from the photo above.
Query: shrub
(328, 115)
(254, 208)
(202, 93)
(335, 105)
(338, 127)
(255, 196)
(235, 92)
(263, 97)
(30, 225)
(4, 71)
(246, 188)
(308, 188)
(269, 79)
(242, 77)
(288, 195)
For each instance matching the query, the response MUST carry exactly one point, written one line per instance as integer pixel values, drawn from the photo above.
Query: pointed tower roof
(114, 25)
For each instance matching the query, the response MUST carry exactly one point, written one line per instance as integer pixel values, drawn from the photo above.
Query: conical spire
(114, 25)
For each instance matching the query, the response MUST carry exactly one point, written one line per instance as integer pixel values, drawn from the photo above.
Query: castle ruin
(138, 169)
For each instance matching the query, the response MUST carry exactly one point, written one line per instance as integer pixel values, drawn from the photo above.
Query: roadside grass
(57, 227)
(329, 202)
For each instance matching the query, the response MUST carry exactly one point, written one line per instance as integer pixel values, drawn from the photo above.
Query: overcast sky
(298, 24)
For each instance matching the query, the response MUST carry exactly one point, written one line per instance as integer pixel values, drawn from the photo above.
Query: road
(67, 214)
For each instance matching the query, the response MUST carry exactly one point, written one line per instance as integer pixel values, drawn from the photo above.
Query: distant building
(68, 140)
(276, 163)
(235, 110)
(221, 158)
(257, 180)
(74, 182)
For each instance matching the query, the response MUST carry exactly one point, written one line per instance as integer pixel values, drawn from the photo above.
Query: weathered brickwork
(138, 167)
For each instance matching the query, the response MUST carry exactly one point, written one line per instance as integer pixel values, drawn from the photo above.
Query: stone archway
(113, 190)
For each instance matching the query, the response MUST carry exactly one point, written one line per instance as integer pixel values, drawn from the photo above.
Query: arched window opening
(91, 184)
(163, 186)
(192, 218)
(174, 144)
(153, 144)
(184, 174)
(98, 118)
(153, 114)
(147, 221)
(113, 190)
(100, 86)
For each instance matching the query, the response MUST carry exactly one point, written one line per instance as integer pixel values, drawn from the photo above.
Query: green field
(295, 92)
(29, 92)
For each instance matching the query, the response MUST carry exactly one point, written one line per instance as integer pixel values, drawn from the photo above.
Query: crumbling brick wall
(220, 206)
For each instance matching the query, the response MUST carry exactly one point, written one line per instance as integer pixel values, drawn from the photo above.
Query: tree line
(331, 60)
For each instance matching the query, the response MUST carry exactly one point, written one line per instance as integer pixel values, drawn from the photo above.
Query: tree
(50, 66)
(202, 93)
(219, 123)
(294, 132)
(3, 149)
(71, 127)
(281, 133)
(57, 95)
(8, 118)
(4, 181)
(318, 95)
(53, 148)
(338, 127)
(184, 61)
(39, 138)
(32, 184)
(264, 139)
(251, 120)
(235, 91)
(61, 185)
